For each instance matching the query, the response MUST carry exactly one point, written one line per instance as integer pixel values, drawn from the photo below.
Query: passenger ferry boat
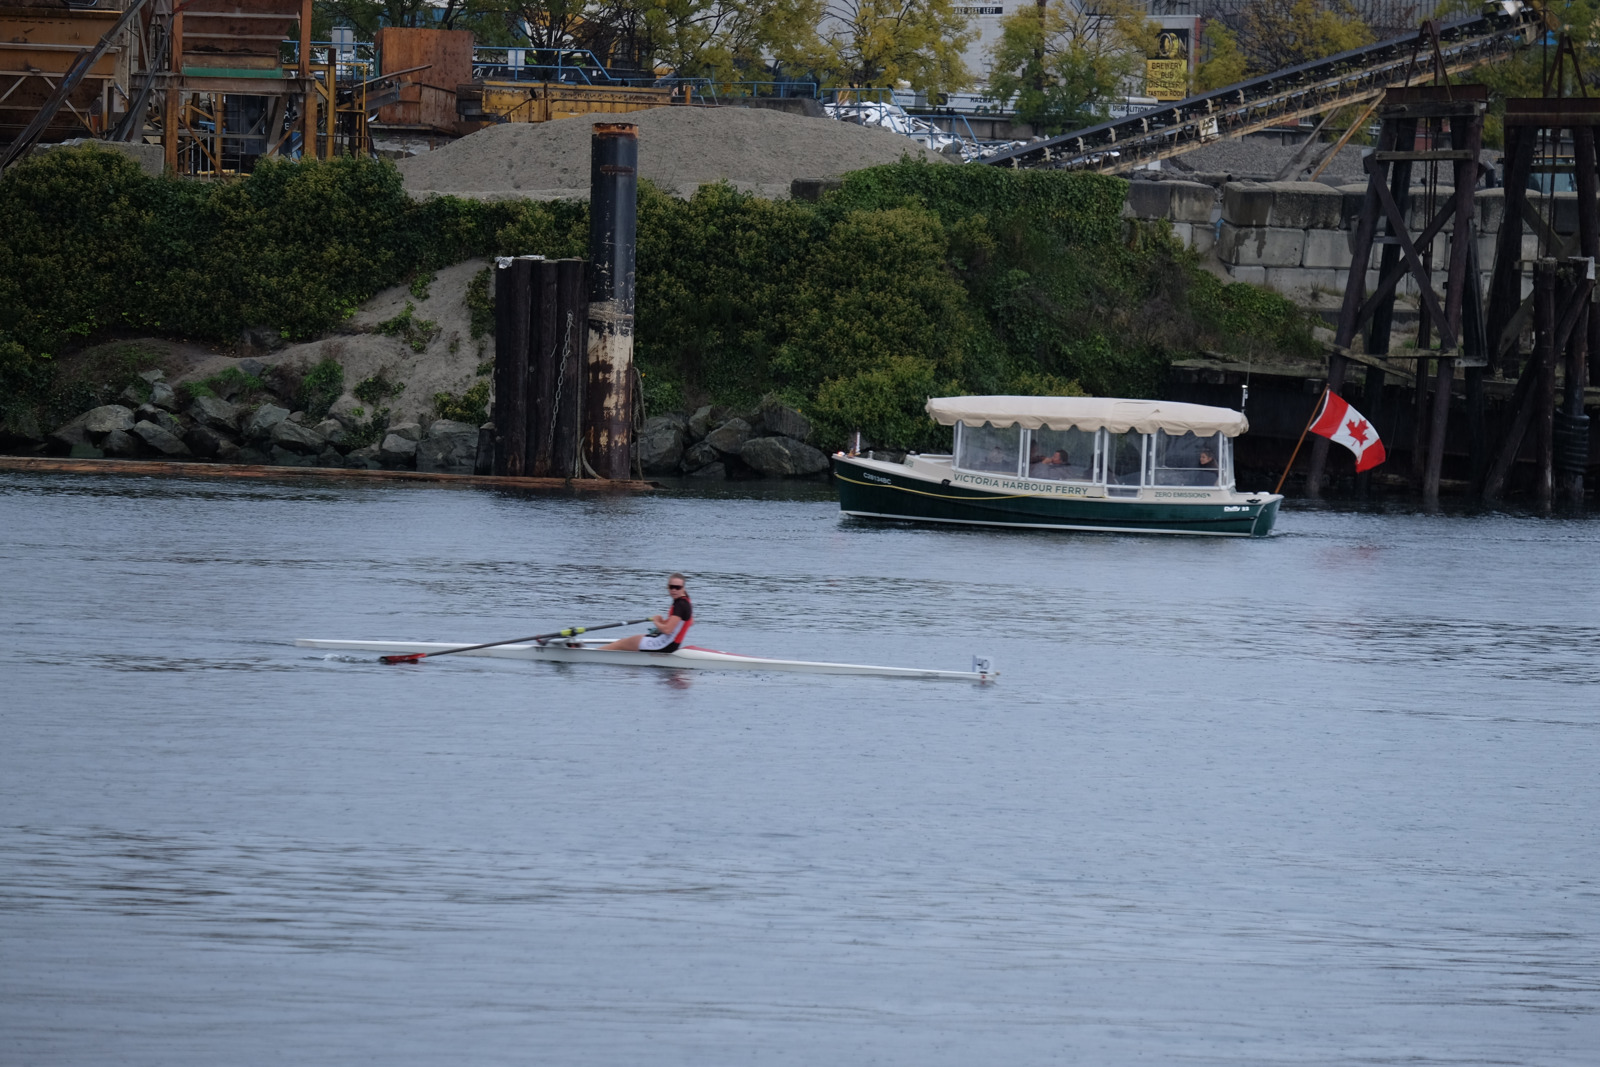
(1068, 463)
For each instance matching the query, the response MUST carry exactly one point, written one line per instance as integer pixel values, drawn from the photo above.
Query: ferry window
(1188, 459)
(989, 449)
(1125, 458)
(1062, 455)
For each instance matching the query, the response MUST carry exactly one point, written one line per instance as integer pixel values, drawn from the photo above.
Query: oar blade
(406, 657)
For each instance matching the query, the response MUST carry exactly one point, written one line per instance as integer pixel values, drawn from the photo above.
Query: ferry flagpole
(1316, 409)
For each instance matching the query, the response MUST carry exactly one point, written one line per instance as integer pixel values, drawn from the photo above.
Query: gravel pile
(1260, 159)
(680, 149)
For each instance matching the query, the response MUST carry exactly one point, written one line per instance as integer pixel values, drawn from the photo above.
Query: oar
(571, 631)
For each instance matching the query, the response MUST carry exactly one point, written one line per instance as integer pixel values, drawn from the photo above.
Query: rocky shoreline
(153, 420)
(720, 443)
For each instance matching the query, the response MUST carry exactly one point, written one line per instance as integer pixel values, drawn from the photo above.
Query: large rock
(253, 456)
(70, 435)
(349, 410)
(660, 444)
(160, 439)
(700, 423)
(283, 457)
(450, 448)
(162, 396)
(779, 457)
(204, 441)
(260, 424)
(120, 443)
(21, 426)
(699, 455)
(450, 428)
(730, 437)
(367, 456)
(411, 431)
(107, 418)
(397, 451)
(298, 438)
(712, 471)
(164, 419)
(215, 412)
(329, 457)
(780, 420)
(332, 431)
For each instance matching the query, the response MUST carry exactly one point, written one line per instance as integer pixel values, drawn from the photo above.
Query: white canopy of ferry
(1087, 413)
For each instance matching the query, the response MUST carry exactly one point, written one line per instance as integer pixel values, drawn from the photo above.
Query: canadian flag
(1343, 424)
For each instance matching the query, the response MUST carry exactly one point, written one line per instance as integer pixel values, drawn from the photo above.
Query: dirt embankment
(437, 354)
(680, 149)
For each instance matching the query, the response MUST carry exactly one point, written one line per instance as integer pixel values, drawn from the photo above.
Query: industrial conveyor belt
(1352, 77)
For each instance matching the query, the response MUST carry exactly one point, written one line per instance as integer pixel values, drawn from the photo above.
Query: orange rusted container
(428, 96)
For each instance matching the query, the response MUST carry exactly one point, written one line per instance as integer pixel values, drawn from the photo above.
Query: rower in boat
(669, 630)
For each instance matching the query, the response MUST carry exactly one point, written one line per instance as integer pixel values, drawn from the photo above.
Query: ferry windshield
(986, 448)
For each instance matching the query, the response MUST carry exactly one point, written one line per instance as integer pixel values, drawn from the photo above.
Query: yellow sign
(1166, 79)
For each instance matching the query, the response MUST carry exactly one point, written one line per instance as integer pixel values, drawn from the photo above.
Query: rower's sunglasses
(674, 586)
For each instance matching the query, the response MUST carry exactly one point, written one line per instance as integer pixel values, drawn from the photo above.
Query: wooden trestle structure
(1438, 131)
(1565, 329)
(1404, 114)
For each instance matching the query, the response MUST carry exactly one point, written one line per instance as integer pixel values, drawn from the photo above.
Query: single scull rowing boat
(690, 658)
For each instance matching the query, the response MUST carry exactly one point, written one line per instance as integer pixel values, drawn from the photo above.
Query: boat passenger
(668, 632)
(1053, 466)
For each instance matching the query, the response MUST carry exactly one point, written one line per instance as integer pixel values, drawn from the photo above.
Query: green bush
(471, 406)
(320, 387)
(908, 279)
(377, 388)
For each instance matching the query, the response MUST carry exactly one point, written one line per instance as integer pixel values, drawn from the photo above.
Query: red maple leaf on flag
(1357, 431)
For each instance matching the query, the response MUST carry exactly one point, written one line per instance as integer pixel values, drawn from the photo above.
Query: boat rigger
(687, 658)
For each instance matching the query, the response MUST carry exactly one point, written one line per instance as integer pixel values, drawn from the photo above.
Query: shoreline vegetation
(910, 280)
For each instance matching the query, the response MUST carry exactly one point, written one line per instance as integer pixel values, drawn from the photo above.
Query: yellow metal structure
(544, 101)
(39, 41)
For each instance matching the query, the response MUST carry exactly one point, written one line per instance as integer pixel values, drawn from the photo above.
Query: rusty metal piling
(613, 223)
(511, 311)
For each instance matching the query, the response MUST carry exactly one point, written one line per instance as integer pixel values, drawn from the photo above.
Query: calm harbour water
(1327, 798)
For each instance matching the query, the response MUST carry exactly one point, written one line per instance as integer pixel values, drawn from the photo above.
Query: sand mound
(447, 363)
(680, 149)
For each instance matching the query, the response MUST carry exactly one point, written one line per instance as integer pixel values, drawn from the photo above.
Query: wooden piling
(1544, 389)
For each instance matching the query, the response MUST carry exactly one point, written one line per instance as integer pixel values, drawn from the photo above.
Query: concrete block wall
(1296, 236)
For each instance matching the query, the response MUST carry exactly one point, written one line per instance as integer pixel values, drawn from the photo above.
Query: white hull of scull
(690, 658)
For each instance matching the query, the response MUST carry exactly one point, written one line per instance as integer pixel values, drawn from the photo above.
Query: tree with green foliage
(1062, 64)
(724, 39)
(1526, 71)
(1222, 62)
(880, 43)
(1274, 34)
